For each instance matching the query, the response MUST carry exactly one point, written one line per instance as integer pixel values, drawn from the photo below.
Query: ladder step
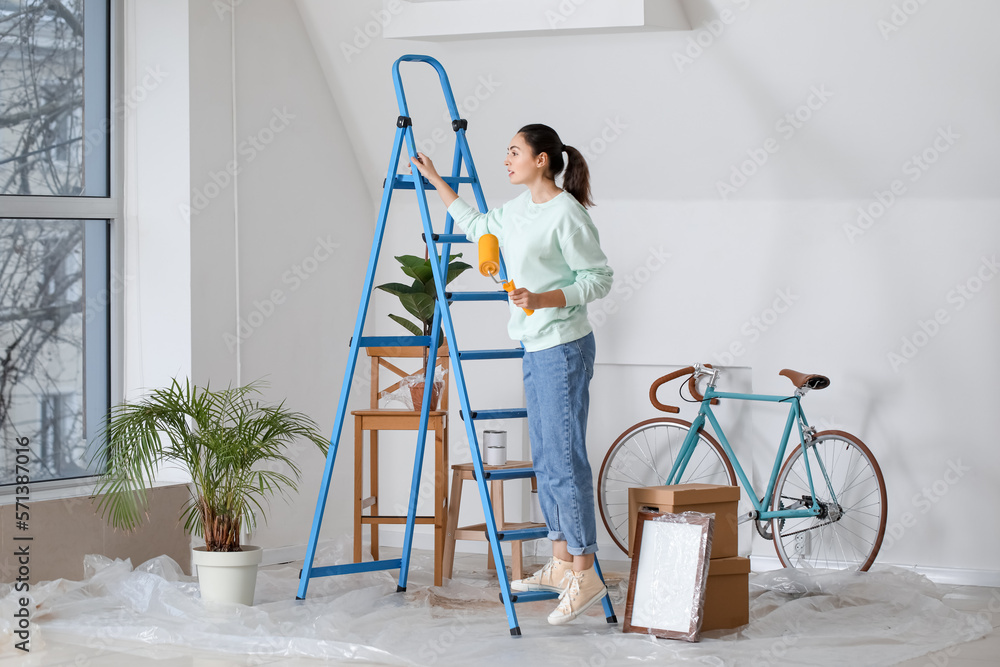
(395, 341)
(354, 568)
(510, 473)
(407, 182)
(447, 238)
(531, 596)
(497, 414)
(472, 355)
(498, 295)
(382, 518)
(523, 534)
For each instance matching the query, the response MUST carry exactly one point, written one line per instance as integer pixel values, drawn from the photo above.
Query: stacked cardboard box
(727, 595)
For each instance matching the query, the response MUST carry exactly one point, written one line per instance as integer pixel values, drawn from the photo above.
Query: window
(60, 428)
(59, 208)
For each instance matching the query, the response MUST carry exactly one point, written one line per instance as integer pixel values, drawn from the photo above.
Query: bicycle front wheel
(643, 456)
(850, 489)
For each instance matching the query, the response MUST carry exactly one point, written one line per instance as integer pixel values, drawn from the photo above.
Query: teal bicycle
(824, 507)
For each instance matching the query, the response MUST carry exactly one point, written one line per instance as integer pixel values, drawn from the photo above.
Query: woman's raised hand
(424, 166)
(427, 170)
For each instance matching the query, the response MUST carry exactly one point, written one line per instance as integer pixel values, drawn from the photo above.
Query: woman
(554, 256)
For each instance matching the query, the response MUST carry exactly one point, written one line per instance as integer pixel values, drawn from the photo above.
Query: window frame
(109, 208)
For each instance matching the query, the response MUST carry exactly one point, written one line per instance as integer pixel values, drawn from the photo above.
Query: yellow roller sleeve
(489, 255)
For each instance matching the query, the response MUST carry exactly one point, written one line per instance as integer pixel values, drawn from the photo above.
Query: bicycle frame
(760, 504)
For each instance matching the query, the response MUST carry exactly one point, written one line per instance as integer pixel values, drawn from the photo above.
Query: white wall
(156, 271)
(156, 262)
(662, 133)
(279, 250)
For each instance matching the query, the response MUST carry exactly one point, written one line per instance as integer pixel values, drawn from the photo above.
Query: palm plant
(227, 440)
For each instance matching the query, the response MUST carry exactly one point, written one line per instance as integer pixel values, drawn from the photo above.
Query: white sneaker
(583, 590)
(549, 578)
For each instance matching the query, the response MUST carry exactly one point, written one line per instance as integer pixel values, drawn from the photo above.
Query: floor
(982, 652)
(982, 601)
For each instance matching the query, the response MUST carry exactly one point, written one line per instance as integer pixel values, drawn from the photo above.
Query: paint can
(494, 448)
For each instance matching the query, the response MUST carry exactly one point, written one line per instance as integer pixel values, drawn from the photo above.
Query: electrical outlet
(802, 544)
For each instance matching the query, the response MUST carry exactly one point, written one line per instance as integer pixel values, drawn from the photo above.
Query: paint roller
(489, 263)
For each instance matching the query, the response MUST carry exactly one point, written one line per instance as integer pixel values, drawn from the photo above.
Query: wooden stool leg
(448, 561)
(496, 499)
(440, 503)
(358, 485)
(516, 561)
(373, 437)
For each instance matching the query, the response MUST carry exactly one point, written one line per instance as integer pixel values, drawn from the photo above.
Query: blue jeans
(557, 388)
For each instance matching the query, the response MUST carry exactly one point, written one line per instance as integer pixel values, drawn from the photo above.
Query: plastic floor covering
(796, 618)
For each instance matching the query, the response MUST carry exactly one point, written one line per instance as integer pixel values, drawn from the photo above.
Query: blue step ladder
(442, 319)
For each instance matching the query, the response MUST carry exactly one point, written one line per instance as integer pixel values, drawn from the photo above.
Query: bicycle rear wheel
(848, 532)
(643, 456)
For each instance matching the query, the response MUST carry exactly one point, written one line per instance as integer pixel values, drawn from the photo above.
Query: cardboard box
(727, 594)
(722, 501)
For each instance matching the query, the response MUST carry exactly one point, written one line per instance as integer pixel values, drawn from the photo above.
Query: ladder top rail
(397, 81)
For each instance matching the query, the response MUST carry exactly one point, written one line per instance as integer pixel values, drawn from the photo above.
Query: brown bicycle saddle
(811, 380)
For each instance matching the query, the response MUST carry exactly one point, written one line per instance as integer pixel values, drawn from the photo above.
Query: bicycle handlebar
(692, 387)
(662, 381)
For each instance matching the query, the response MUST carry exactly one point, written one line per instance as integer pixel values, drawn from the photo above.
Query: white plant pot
(227, 576)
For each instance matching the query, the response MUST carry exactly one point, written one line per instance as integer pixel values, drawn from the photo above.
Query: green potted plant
(234, 448)
(418, 299)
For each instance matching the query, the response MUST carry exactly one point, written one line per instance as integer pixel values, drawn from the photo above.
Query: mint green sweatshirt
(553, 245)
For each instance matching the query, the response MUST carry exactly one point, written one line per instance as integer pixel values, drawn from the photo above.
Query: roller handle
(509, 287)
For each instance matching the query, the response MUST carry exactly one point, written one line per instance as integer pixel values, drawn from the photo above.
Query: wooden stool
(381, 419)
(462, 472)
(374, 421)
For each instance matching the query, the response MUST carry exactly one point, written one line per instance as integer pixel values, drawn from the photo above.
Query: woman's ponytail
(576, 181)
